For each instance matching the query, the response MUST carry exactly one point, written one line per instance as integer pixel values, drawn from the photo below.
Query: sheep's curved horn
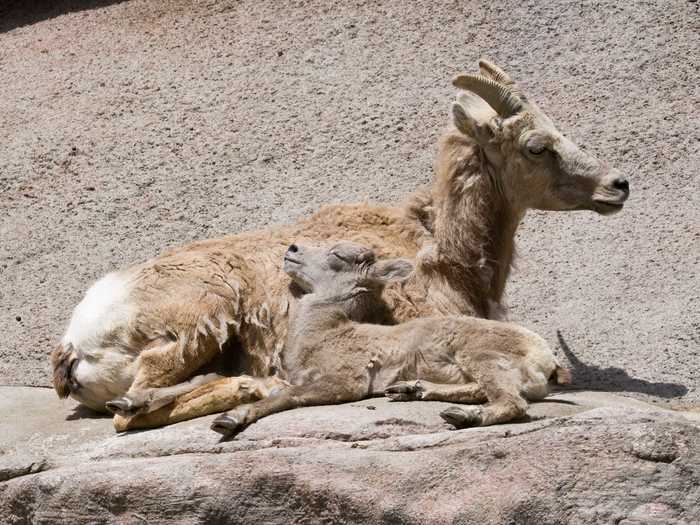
(501, 98)
(492, 71)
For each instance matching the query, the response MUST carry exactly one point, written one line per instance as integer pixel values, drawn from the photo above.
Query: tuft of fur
(61, 362)
(563, 375)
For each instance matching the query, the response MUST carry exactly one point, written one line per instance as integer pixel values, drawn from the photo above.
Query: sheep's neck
(474, 233)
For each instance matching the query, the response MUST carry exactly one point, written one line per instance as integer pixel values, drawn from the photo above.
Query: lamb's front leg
(325, 391)
(421, 390)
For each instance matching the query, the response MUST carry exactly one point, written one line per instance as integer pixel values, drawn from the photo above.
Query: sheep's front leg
(210, 398)
(421, 390)
(325, 391)
(149, 399)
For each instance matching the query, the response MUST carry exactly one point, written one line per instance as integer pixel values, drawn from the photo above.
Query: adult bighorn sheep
(329, 358)
(155, 324)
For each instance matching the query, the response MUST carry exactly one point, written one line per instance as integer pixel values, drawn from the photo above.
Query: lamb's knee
(503, 410)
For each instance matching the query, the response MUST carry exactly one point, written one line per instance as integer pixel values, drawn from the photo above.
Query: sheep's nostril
(293, 248)
(621, 184)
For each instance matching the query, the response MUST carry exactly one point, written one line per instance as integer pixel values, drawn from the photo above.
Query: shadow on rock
(613, 379)
(18, 13)
(83, 412)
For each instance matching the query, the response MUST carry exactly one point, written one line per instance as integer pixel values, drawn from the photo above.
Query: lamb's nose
(621, 184)
(293, 248)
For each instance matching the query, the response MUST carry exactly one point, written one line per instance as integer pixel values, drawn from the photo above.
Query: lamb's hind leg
(421, 390)
(216, 396)
(502, 389)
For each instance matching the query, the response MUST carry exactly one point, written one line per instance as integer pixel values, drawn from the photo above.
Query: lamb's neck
(316, 315)
(474, 234)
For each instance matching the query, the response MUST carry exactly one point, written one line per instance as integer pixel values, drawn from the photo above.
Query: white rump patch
(104, 308)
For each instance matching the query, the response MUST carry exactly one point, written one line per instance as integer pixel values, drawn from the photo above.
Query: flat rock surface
(130, 127)
(581, 457)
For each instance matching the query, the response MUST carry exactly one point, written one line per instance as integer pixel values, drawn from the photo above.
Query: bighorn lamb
(155, 324)
(330, 359)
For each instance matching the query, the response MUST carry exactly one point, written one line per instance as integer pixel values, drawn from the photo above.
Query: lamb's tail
(562, 375)
(62, 362)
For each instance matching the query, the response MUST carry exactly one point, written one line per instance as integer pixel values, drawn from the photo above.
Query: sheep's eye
(536, 149)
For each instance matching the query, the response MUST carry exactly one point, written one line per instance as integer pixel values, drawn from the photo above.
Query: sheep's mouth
(298, 276)
(607, 207)
(288, 259)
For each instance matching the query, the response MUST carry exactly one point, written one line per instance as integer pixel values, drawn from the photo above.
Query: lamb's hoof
(226, 425)
(122, 406)
(405, 391)
(462, 417)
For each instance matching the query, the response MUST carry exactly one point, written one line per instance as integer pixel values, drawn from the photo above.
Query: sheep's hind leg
(501, 411)
(210, 398)
(420, 390)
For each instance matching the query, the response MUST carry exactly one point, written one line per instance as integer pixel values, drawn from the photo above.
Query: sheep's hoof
(461, 417)
(405, 391)
(226, 425)
(122, 406)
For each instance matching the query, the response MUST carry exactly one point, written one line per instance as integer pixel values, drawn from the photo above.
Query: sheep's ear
(471, 115)
(391, 270)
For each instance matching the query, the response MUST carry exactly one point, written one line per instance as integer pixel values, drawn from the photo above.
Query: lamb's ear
(391, 270)
(471, 115)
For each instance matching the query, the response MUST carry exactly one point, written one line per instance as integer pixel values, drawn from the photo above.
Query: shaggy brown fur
(61, 361)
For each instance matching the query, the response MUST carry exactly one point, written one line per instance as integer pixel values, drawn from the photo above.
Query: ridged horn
(492, 71)
(501, 98)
